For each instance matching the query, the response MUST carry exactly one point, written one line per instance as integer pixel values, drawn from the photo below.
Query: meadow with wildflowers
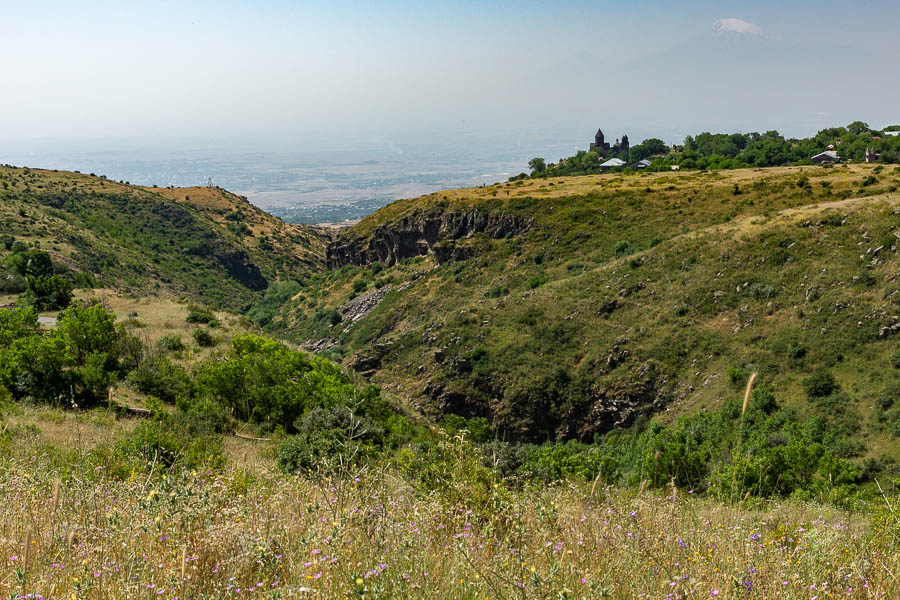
(376, 532)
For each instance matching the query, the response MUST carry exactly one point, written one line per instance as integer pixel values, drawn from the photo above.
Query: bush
(158, 376)
(536, 281)
(197, 314)
(895, 359)
(497, 291)
(204, 338)
(277, 294)
(263, 380)
(797, 351)
(332, 317)
(91, 330)
(29, 263)
(12, 284)
(737, 376)
(171, 343)
(478, 428)
(174, 441)
(49, 292)
(76, 362)
(819, 385)
(889, 397)
(308, 453)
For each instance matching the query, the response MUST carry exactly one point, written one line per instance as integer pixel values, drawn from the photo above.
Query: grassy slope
(184, 242)
(710, 280)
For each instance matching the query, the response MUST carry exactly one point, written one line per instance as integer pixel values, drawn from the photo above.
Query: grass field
(375, 533)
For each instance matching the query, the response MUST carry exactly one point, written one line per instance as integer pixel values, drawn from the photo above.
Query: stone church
(603, 147)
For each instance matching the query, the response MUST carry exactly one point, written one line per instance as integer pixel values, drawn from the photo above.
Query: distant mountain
(736, 64)
(202, 243)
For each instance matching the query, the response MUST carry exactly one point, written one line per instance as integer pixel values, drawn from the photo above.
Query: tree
(537, 165)
(646, 149)
(29, 263)
(858, 127)
(90, 331)
(590, 161)
(49, 293)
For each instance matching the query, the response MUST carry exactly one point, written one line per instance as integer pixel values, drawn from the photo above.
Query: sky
(288, 74)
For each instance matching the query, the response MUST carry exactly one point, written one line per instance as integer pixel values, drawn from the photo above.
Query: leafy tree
(91, 331)
(858, 127)
(30, 263)
(16, 324)
(537, 165)
(49, 292)
(36, 367)
(646, 149)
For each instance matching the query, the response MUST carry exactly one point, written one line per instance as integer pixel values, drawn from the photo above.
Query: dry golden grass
(246, 532)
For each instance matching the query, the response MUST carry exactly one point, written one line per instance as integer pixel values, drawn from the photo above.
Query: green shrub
(889, 397)
(360, 285)
(478, 428)
(12, 284)
(819, 385)
(204, 338)
(265, 382)
(497, 291)
(331, 317)
(158, 376)
(277, 294)
(797, 351)
(174, 441)
(197, 314)
(28, 263)
(170, 343)
(76, 362)
(49, 292)
(536, 281)
(310, 453)
(737, 375)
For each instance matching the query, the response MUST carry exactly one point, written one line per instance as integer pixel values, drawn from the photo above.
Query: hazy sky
(279, 73)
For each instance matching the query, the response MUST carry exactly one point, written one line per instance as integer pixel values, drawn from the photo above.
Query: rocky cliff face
(437, 233)
(239, 266)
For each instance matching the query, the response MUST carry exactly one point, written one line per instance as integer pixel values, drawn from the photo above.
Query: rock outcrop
(437, 233)
(239, 266)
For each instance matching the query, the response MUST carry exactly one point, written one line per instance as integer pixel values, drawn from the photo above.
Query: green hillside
(566, 308)
(203, 243)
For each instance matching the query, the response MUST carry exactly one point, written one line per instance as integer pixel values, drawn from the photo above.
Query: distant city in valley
(332, 183)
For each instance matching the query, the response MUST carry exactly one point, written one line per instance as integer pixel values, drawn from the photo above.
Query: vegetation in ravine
(620, 307)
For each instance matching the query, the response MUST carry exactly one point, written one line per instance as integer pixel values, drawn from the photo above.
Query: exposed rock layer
(437, 233)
